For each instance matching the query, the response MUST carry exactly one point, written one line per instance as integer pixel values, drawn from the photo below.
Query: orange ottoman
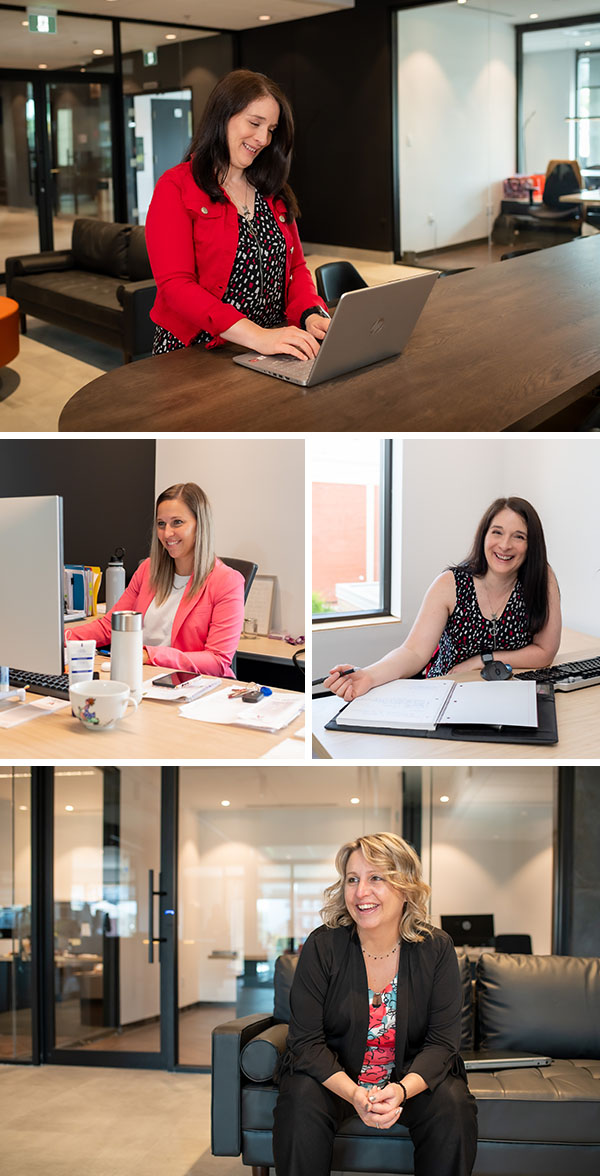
(9, 330)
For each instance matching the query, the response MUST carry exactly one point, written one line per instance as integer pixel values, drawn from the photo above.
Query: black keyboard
(56, 685)
(568, 675)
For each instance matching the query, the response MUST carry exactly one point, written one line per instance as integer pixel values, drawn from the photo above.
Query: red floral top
(380, 1053)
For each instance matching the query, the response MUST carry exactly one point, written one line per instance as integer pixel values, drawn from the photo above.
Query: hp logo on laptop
(377, 326)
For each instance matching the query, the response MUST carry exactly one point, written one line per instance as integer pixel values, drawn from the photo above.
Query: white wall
(456, 99)
(256, 489)
(548, 89)
(447, 485)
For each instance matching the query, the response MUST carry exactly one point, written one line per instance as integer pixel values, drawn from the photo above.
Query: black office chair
(336, 278)
(248, 570)
(513, 944)
(563, 178)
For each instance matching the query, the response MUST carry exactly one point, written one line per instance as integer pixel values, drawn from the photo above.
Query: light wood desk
(155, 731)
(577, 714)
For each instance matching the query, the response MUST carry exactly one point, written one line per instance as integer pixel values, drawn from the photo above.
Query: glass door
(56, 155)
(16, 1032)
(111, 918)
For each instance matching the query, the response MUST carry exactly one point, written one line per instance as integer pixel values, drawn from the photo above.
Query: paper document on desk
(497, 704)
(274, 713)
(403, 704)
(24, 712)
(186, 692)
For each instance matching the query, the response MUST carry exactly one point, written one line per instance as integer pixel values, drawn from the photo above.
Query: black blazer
(330, 1007)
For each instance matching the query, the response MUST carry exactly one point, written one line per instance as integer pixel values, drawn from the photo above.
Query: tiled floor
(70, 1120)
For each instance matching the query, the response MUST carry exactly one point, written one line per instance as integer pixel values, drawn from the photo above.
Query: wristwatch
(487, 657)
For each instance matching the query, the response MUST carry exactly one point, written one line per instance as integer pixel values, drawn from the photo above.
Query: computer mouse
(105, 667)
(496, 671)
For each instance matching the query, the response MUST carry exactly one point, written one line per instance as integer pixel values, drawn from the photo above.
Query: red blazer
(192, 242)
(206, 628)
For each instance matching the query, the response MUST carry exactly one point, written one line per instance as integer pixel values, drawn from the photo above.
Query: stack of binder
(81, 586)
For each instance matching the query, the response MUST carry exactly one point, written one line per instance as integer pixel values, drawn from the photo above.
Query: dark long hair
(533, 573)
(209, 152)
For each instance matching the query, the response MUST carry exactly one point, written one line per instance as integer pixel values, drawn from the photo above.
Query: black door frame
(44, 1050)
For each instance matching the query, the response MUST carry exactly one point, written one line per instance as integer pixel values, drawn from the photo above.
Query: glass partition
(560, 98)
(15, 916)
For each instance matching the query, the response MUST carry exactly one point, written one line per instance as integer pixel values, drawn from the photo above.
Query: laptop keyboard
(54, 685)
(288, 364)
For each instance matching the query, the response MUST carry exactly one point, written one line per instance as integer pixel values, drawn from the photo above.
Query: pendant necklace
(377, 996)
(496, 613)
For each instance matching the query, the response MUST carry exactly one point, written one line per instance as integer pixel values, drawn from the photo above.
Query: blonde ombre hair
(399, 866)
(162, 566)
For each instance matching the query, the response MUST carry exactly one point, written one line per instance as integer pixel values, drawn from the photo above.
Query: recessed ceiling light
(264, 17)
(444, 799)
(69, 808)
(462, 1)
(25, 24)
(534, 15)
(225, 803)
(23, 808)
(170, 36)
(355, 800)
(586, 43)
(42, 67)
(98, 52)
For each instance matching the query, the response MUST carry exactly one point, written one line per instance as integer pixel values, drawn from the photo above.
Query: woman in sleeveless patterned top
(502, 601)
(375, 1024)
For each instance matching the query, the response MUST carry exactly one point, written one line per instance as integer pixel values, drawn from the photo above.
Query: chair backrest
(562, 177)
(514, 944)
(247, 569)
(336, 278)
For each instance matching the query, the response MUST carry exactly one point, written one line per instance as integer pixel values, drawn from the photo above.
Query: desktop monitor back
(470, 930)
(31, 584)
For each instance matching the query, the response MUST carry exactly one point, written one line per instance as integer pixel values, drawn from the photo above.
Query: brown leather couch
(102, 287)
(532, 1122)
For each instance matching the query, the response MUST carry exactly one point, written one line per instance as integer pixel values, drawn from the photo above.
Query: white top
(158, 621)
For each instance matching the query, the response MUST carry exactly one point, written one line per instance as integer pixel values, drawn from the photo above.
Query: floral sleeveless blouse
(469, 633)
(380, 1054)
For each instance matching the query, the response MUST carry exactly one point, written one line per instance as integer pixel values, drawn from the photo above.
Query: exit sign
(150, 57)
(41, 21)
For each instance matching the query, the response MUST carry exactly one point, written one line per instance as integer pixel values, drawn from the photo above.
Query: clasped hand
(379, 1107)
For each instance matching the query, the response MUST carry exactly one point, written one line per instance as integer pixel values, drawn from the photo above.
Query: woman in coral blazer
(221, 232)
(193, 604)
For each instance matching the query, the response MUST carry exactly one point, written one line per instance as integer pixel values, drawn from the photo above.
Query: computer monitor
(31, 584)
(470, 930)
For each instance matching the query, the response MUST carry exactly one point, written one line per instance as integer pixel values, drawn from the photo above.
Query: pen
(342, 673)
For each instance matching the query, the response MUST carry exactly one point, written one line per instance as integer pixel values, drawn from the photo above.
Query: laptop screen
(470, 930)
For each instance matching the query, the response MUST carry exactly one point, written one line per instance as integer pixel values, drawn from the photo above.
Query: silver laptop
(368, 325)
(502, 1060)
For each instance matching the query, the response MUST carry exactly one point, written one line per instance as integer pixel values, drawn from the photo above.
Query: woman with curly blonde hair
(375, 1022)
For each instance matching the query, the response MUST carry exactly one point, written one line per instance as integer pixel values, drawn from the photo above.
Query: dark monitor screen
(470, 930)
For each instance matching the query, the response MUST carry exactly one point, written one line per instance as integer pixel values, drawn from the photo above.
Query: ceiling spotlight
(22, 808)
(444, 799)
(225, 803)
(170, 36)
(265, 17)
(98, 52)
(587, 43)
(25, 24)
(355, 800)
(69, 808)
(42, 67)
(462, 1)
(534, 16)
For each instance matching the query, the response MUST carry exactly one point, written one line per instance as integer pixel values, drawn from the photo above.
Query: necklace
(498, 611)
(242, 205)
(377, 996)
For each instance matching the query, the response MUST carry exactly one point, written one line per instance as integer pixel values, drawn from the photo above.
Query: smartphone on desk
(175, 678)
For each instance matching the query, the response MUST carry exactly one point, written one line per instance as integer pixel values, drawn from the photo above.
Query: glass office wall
(488, 848)
(456, 101)
(560, 106)
(15, 916)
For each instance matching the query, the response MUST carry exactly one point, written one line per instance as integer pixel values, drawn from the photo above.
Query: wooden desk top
(577, 714)
(155, 731)
(502, 347)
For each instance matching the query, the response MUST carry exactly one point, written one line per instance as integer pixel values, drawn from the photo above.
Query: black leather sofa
(532, 1122)
(102, 287)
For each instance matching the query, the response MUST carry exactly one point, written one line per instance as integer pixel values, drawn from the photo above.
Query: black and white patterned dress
(257, 281)
(468, 633)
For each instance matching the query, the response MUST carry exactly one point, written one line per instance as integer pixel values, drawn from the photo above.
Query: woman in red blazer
(193, 604)
(221, 232)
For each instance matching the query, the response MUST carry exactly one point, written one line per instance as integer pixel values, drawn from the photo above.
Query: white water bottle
(115, 578)
(127, 650)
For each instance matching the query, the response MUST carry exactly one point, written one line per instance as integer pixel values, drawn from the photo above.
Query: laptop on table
(368, 325)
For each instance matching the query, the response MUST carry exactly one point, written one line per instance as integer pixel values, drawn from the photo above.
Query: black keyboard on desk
(56, 685)
(568, 675)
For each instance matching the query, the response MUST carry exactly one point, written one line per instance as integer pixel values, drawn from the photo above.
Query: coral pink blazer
(206, 628)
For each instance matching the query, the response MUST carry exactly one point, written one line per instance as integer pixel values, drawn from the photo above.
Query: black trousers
(442, 1124)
